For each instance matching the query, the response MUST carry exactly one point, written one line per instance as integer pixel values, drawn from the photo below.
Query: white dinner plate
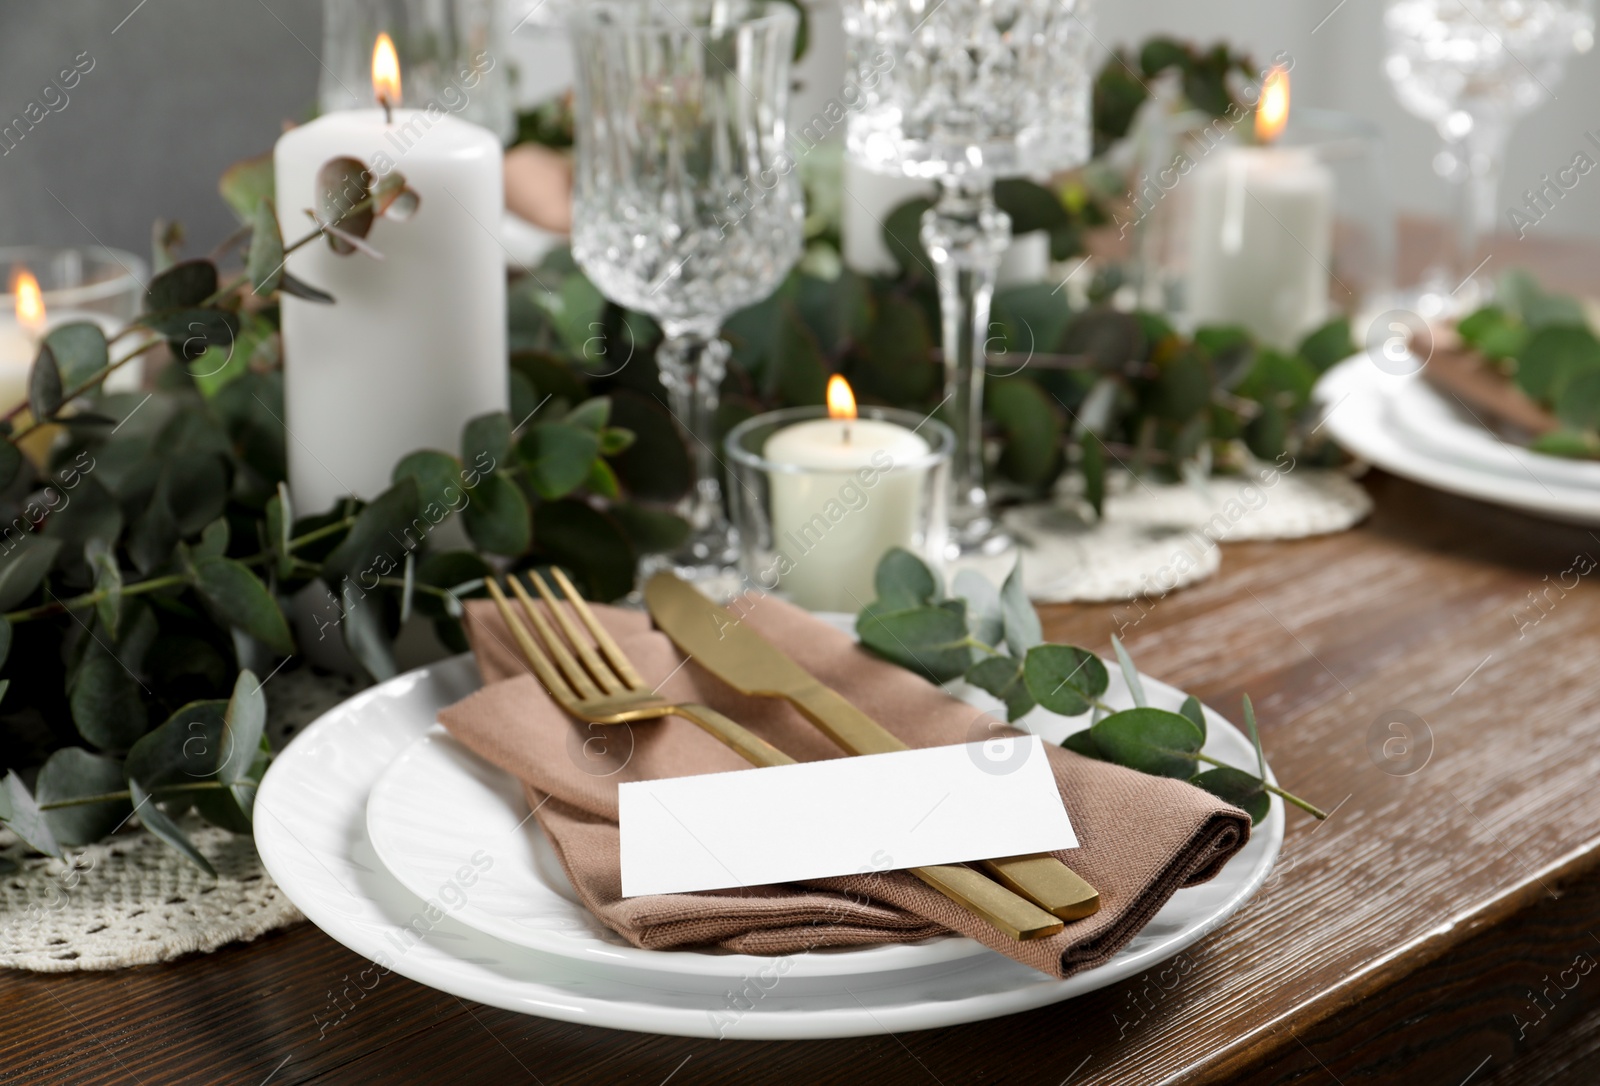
(1357, 398)
(1430, 421)
(311, 830)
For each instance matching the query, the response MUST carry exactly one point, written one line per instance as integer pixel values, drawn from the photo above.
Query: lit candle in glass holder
(843, 490)
(1261, 238)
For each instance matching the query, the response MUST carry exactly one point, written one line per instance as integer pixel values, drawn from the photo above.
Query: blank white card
(843, 816)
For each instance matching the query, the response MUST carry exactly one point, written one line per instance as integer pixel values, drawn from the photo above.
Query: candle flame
(385, 72)
(30, 300)
(1273, 112)
(841, 401)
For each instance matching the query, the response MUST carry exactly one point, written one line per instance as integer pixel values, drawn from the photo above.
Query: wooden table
(1442, 927)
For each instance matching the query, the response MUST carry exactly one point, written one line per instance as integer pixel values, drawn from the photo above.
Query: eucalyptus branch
(1309, 808)
(79, 389)
(89, 599)
(112, 797)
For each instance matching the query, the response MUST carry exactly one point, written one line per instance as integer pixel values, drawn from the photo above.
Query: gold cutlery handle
(1044, 880)
(1016, 916)
(741, 740)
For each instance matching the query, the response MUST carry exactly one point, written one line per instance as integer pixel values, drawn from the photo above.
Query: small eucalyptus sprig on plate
(993, 639)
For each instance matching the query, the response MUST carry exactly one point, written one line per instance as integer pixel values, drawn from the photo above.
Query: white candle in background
(1261, 240)
(833, 529)
(415, 344)
(867, 202)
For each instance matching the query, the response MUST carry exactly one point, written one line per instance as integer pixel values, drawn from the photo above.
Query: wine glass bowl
(686, 203)
(1471, 70)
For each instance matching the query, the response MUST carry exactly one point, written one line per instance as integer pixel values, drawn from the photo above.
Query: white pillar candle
(1261, 242)
(832, 536)
(868, 200)
(1261, 234)
(415, 344)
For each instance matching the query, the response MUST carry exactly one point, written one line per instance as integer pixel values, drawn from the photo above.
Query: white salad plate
(1368, 412)
(311, 828)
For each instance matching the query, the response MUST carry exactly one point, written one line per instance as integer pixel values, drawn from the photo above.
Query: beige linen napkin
(1140, 838)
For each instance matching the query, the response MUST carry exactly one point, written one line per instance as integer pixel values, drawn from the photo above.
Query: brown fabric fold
(1141, 838)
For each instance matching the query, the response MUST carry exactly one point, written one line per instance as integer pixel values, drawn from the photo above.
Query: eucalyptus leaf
(105, 702)
(182, 750)
(929, 640)
(903, 580)
(157, 822)
(213, 540)
(487, 437)
(1150, 740)
(588, 543)
(10, 462)
(301, 289)
(22, 815)
(558, 457)
(497, 517)
(438, 477)
(246, 183)
(1064, 679)
(240, 599)
(342, 185)
(364, 633)
(1021, 621)
(265, 264)
(1553, 357)
(375, 539)
(73, 773)
(279, 515)
(185, 285)
(591, 414)
(44, 385)
(1238, 788)
(650, 531)
(1083, 743)
(1255, 736)
(80, 350)
(23, 568)
(1002, 677)
(1130, 674)
(1195, 714)
(984, 618)
(5, 639)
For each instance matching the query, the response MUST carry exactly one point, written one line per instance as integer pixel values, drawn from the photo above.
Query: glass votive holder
(1309, 221)
(87, 283)
(818, 501)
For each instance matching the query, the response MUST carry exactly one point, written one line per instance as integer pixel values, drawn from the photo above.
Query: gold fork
(602, 687)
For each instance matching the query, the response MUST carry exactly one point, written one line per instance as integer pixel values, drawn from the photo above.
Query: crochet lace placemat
(1155, 537)
(132, 900)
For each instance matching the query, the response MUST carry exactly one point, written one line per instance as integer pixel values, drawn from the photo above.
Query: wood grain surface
(1414, 937)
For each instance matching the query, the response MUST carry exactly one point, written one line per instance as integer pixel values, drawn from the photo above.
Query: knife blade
(721, 643)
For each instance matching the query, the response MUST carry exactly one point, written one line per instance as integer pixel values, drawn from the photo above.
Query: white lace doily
(1155, 537)
(132, 900)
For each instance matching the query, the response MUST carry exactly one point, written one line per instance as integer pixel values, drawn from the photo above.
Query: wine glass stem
(966, 235)
(693, 361)
(1476, 163)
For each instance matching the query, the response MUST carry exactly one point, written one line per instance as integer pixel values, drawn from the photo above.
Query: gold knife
(719, 642)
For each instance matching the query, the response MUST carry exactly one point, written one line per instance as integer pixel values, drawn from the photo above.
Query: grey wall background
(181, 88)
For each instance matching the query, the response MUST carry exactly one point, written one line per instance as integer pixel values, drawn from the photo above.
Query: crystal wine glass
(974, 90)
(1471, 69)
(686, 205)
